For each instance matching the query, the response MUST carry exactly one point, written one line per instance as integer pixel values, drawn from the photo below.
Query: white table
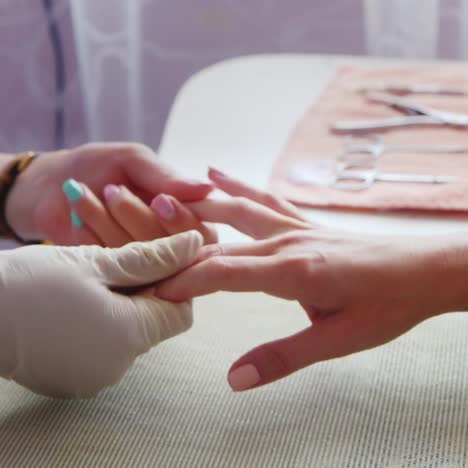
(237, 116)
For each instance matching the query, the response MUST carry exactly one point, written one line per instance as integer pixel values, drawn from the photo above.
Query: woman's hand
(359, 292)
(37, 208)
(67, 331)
(123, 217)
(258, 214)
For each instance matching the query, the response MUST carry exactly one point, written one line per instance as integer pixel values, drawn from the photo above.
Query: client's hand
(66, 331)
(360, 292)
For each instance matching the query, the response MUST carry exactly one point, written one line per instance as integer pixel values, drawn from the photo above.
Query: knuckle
(242, 207)
(220, 267)
(134, 150)
(296, 264)
(272, 201)
(293, 238)
(318, 257)
(304, 265)
(274, 363)
(212, 250)
(210, 235)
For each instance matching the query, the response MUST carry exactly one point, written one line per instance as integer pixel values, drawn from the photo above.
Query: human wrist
(13, 216)
(446, 266)
(23, 196)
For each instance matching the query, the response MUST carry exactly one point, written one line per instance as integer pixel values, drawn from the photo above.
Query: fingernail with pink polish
(214, 172)
(197, 182)
(111, 193)
(243, 377)
(164, 207)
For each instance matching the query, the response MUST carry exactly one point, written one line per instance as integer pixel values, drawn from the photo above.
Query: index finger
(247, 216)
(236, 188)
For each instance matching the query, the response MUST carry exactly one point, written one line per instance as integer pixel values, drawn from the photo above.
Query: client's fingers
(132, 214)
(246, 216)
(175, 218)
(277, 359)
(220, 274)
(237, 188)
(88, 210)
(260, 248)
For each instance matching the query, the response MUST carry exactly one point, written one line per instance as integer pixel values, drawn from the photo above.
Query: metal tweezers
(418, 115)
(395, 88)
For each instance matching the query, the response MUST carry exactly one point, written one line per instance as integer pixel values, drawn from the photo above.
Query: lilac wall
(26, 78)
(210, 30)
(184, 36)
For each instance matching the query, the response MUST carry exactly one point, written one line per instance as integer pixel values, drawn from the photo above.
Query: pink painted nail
(215, 173)
(243, 377)
(197, 182)
(111, 193)
(164, 207)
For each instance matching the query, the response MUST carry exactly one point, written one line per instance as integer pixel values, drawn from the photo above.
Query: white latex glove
(65, 333)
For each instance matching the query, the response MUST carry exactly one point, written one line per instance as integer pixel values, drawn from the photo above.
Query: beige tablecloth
(402, 405)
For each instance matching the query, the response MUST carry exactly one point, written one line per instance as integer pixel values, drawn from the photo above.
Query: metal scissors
(418, 88)
(350, 179)
(418, 115)
(344, 176)
(364, 151)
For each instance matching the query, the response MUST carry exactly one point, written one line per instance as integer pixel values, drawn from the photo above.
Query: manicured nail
(111, 193)
(76, 220)
(214, 172)
(243, 377)
(72, 189)
(197, 182)
(164, 207)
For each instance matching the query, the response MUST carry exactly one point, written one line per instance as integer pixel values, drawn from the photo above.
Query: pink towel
(312, 140)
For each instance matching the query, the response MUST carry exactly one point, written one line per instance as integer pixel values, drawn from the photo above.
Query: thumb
(153, 320)
(142, 263)
(272, 361)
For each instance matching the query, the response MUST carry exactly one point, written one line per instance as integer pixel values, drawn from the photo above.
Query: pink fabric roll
(313, 140)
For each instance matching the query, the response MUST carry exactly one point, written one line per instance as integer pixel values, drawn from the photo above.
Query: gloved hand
(65, 332)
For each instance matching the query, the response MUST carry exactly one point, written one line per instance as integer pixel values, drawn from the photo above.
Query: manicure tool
(419, 115)
(365, 150)
(342, 176)
(412, 89)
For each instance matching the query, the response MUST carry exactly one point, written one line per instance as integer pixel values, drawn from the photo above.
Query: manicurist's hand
(37, 208)
(359, 292)
(68, 329)
(123, 217)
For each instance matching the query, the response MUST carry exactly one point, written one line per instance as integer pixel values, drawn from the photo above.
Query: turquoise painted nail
(76, 220)
(72, 189)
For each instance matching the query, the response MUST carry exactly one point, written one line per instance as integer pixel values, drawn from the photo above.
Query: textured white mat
(402, 405)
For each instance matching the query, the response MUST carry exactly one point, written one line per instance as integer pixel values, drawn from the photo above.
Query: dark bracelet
(7, 180)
